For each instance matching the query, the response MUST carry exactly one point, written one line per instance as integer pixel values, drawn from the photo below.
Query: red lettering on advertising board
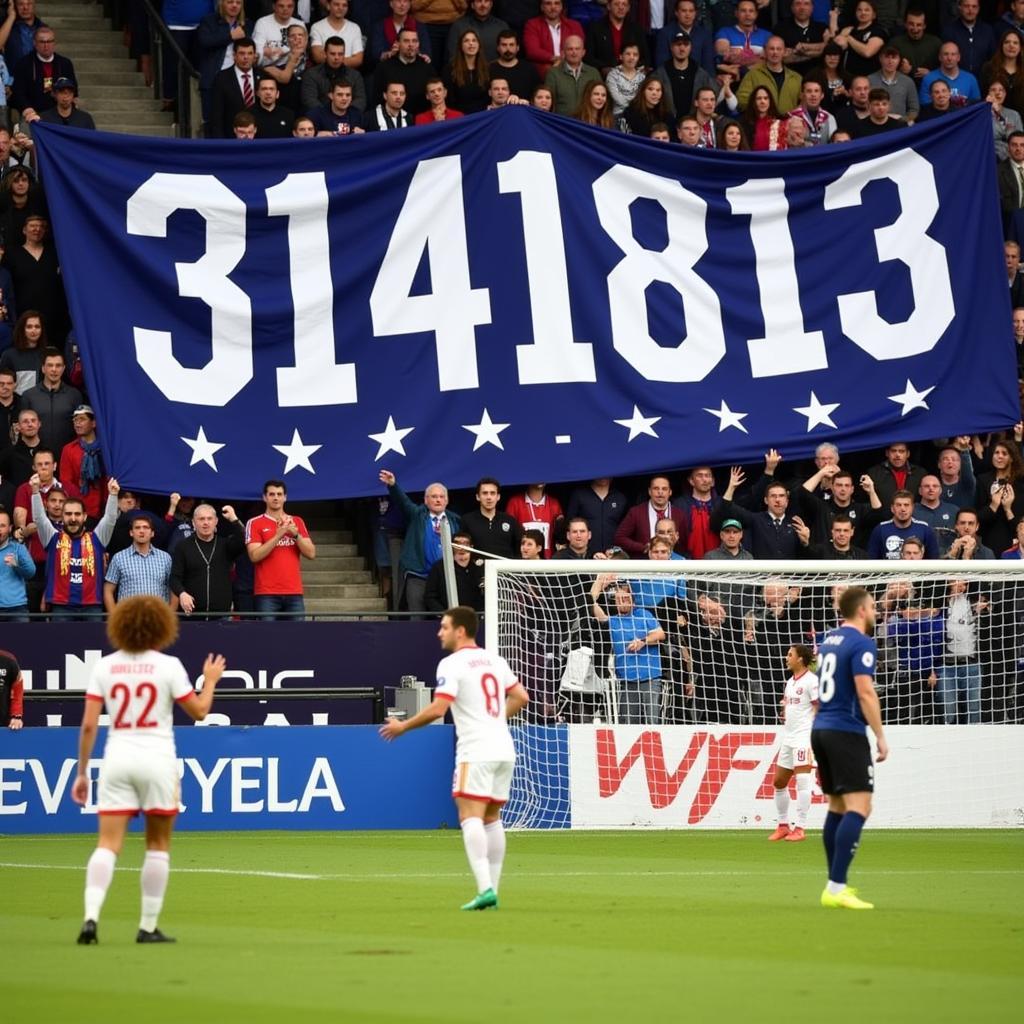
(662, 786)
(721, 761)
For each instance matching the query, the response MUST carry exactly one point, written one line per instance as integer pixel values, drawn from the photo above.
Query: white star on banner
(912, 398)
(486, 432)
(203, 450)
(390, 439)
(728, 418)
(297, 454)
(818, 413)
(639, 424)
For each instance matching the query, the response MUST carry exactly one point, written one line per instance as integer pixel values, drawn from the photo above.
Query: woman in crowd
(766, 130)
(594, 107)
(217, 32)
(649, 107)
(467, 76)
(837, 81)
(25, 356)
(861, 41)
(1005, 64)
(1004, 120)
(731, 138)
(542, 98)
(19, 196)
(624, 82)
(1001, 496)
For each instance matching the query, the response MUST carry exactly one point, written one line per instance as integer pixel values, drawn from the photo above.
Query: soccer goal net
(656, 686)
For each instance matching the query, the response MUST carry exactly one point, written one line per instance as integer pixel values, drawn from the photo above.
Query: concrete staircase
(337, 580)
(109, 86)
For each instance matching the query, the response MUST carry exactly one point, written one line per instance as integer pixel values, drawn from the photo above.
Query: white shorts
(796, 756)
(139, 783)
(483, 780)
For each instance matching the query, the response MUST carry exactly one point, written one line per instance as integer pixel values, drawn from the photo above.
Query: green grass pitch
(626, 927)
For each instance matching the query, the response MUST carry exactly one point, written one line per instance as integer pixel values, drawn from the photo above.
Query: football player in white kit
(482, 692)
(138, 686)
(795, 758)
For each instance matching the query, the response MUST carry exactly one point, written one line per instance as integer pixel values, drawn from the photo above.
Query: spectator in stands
(888, 537)
(840, 544)
(542, 99)
(731, 138)
(233, 90)
(730, 547)
(938, 514)
(594, 108)
(25, 356)
(272, 120)
(1001, 495)
(771, 533)
(336, 24)
(64, 110)
(422, 545)
(637, 527)
(469, 578)
(177, 523)
(318, 81)
(521, 75)
(201, 565)
(879, 119)
(682, 77)
(43, 466)
(968, 546)
(544, 36)
(8, 158)
(467, 75)
(243, 126)
(1018, 337)
(708, 122)
(963, 86)
(650, 107)
(19, 196)
(1006, 66)
(686, 20)
(407, 68)
(635, 639)
(765, 129)
(956, 472)
(568, 79)
(771, 72)
(390, 114)
(912, 639)
(338, 116)
(139, 569)
(82, 471)
(819, 122)
(1016, 549)
(804, 38)
(698, 506)
(10, 406)
(17, 33)
(580, 541)
(16, 566)
(602, 507)
(275, 541)
(531, 547)
(740, 46)
(862, 41)
(975, 39)
(607, 37)
(919, 50)
(383, 42)
(270, 34)
(902, 90)
(1013, 18)
(835, 80)
(857, 109)
(896, 473)
(217, 31)
(54, 401)
(480, 20)
(941, 104)
(75, 557)
(182, 18)
(437, 96)
(492, 531)
(127, 503)
(16, 460)
(35, 270)
(1010, 176)
(712, 637)
(667, 531)
(536, 510)
(35, 73)
(438, 16)
(775, 623)
(957, 677)
(1011, 253)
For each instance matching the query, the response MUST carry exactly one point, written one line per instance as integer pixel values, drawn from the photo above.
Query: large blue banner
(521, 295)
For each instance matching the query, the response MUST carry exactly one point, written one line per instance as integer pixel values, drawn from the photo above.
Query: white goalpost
(655, 687)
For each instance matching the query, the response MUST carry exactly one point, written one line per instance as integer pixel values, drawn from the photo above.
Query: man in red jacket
(82, 473)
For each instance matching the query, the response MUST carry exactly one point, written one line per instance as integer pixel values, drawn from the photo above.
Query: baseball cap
(733, 524)
(64, 83)
(84, 410)
(682, 37)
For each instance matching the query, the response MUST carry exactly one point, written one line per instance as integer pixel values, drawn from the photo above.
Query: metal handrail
(189, 117)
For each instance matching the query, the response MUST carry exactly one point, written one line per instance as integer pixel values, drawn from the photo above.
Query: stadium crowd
(727, 75)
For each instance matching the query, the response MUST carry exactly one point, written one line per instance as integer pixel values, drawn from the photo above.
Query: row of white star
(298, 455)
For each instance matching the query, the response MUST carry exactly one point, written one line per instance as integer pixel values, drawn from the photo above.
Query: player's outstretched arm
(872, 712)
(197, 705)
(515, 700)
(394, 727)
(86, 741)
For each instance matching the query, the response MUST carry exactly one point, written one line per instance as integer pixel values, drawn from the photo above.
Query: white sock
(835, 888)
(803, 798)
(782, 804)
(155, 869)
(99, 873)
(495, 850)
(475, 840)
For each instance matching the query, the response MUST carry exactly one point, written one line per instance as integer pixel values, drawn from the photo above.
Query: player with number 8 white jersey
(139, 690)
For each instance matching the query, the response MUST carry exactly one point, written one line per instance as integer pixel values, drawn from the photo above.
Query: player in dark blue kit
(848, 705)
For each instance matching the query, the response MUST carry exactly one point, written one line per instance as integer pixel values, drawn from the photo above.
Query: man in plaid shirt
(140, 569)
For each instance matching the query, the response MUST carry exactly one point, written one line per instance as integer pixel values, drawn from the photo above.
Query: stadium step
(117, 120)
(346, 604)
(367, 591)
(333, 564)
(330, 550)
